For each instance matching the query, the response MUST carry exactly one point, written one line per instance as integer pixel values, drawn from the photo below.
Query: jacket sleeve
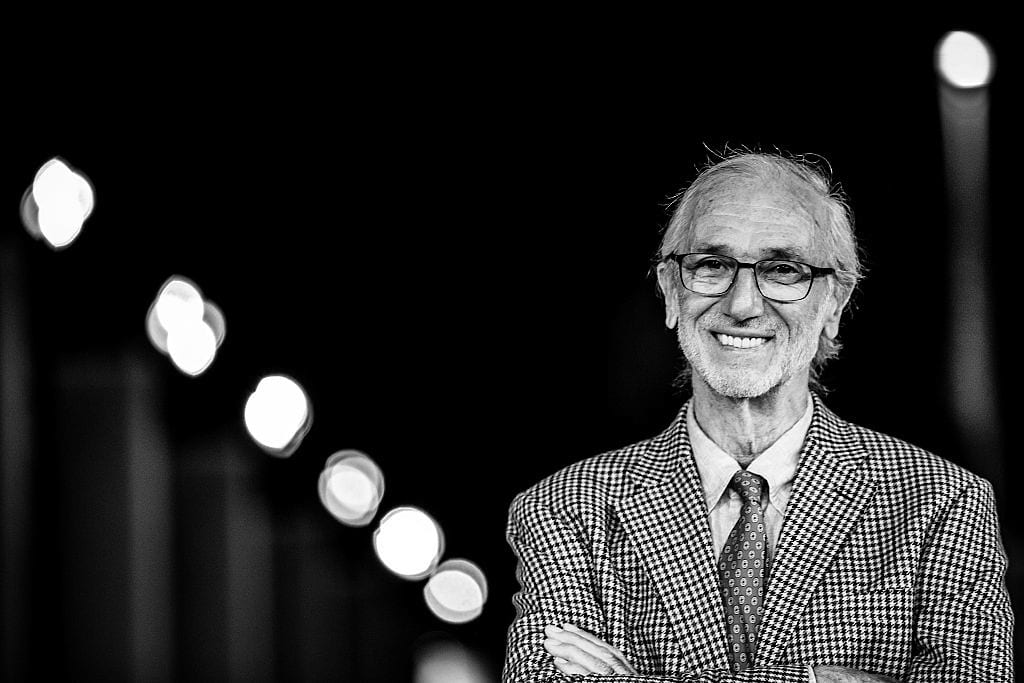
(964, 623)
(557, 585)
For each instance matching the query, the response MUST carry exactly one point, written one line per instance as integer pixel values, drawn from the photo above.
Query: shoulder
(602, 480)
(597, 480)
(897, 465)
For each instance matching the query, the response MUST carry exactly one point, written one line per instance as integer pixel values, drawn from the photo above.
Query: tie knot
(748, 485)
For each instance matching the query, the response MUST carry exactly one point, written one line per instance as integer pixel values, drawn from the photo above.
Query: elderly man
(760, 537)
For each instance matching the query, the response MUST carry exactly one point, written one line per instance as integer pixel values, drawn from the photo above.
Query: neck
(746, 427)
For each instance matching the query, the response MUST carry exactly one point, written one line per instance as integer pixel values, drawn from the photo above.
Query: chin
(740, 385)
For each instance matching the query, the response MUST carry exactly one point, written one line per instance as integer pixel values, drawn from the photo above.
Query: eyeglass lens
(777, 279)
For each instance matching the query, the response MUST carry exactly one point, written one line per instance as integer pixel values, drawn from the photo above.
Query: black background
(446, 236)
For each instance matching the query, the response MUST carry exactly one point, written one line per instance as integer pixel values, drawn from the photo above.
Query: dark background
(447, 240)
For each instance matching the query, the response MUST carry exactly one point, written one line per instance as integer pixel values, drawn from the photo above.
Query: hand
(840, 674)
(578, 652)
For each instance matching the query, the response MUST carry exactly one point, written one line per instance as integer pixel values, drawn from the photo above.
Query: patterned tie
(743, 570)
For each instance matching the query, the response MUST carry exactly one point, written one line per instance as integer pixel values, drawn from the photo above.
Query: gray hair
(832, 217)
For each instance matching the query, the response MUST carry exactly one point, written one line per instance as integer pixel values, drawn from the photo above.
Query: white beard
(791, 355)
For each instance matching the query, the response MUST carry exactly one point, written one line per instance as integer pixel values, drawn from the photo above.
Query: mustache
(755, 325)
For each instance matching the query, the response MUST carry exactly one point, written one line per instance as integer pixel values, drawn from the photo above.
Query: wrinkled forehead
(777, 213)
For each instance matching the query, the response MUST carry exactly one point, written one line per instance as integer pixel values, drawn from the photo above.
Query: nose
(743, 300)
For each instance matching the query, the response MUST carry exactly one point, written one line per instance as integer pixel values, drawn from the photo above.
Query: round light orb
(59, 224)
(964, 60)
(192, 347)
(456, 591)
(63, 200)
(179, 303)
(214, 317)
(449, 662)
(408, 542)
(30, 213)
(351, 487)
(278, 415)
(155, 331)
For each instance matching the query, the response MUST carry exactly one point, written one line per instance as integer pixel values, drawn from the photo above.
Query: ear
(836, 302)
(670, 290)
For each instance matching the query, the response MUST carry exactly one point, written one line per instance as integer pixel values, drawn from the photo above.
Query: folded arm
(558, 587)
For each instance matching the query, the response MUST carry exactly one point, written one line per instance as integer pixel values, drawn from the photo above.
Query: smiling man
(760, 537)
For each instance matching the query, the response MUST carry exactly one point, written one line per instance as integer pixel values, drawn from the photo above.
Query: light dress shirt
(777, 464)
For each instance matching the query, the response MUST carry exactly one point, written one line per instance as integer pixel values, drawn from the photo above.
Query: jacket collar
(666, 520)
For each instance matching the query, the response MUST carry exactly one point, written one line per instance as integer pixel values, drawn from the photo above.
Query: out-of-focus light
(214, 317)
(180, 308)
(965, 60)
(278, 415)
(155, 331)
(351, 487)
(179, 303)
(456, 592)
(57, 204)
(191, 346)
(449, 662)
(408, 542)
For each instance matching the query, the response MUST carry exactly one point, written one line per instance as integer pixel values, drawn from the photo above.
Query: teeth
(741, 342)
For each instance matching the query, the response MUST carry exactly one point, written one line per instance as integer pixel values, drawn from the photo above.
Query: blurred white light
(59, 201)
(278, 415)
(179, 303)
(60, 224)
(449, 663)
(456, 592)
(155, 331)
(408, 542)
(964, 60)
(191, 346)
(214, 317)
(351, 487)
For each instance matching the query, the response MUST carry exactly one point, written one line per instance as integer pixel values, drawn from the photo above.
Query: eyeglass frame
(816, 272)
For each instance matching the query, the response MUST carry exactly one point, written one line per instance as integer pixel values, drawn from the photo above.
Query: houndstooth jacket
(889, 561)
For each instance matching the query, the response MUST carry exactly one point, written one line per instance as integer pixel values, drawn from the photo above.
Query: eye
(711, 264)
(784, 272)
(782, 268)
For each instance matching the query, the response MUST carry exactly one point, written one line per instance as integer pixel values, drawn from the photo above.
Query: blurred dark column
(971, 368)
(347, 618)
(16, 456)
(227, 609)
(112, 492)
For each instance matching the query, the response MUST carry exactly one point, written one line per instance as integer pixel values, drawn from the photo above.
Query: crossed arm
(963, 620)
(578, 653)
(556, 575)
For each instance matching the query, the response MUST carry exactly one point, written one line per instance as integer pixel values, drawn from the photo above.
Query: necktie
(743, 571)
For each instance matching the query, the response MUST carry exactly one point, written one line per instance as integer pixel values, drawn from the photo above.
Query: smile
(740, 342)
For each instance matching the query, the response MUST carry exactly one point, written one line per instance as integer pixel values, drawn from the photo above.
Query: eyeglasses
(778, 280)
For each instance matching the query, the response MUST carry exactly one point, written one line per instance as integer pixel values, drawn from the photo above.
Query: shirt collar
(777, 464)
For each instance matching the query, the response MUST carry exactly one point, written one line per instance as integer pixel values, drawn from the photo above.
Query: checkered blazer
(889, 561)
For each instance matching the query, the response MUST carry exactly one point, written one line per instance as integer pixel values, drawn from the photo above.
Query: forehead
(755, 219)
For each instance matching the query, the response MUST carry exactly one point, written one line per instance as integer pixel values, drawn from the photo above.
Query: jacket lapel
(827, 500)
(666, 520)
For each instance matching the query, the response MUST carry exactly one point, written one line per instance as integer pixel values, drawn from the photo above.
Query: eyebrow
(785, 253)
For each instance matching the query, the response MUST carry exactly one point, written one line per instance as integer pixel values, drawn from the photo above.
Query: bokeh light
(180, 323)
(351, 487)
(191, 346)
(278, 415)
(408, 542)
(154, 330)
(179, 303)
(449, 662)
(965, 60)
(57, 204)
(456, 592)
(214, 317)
